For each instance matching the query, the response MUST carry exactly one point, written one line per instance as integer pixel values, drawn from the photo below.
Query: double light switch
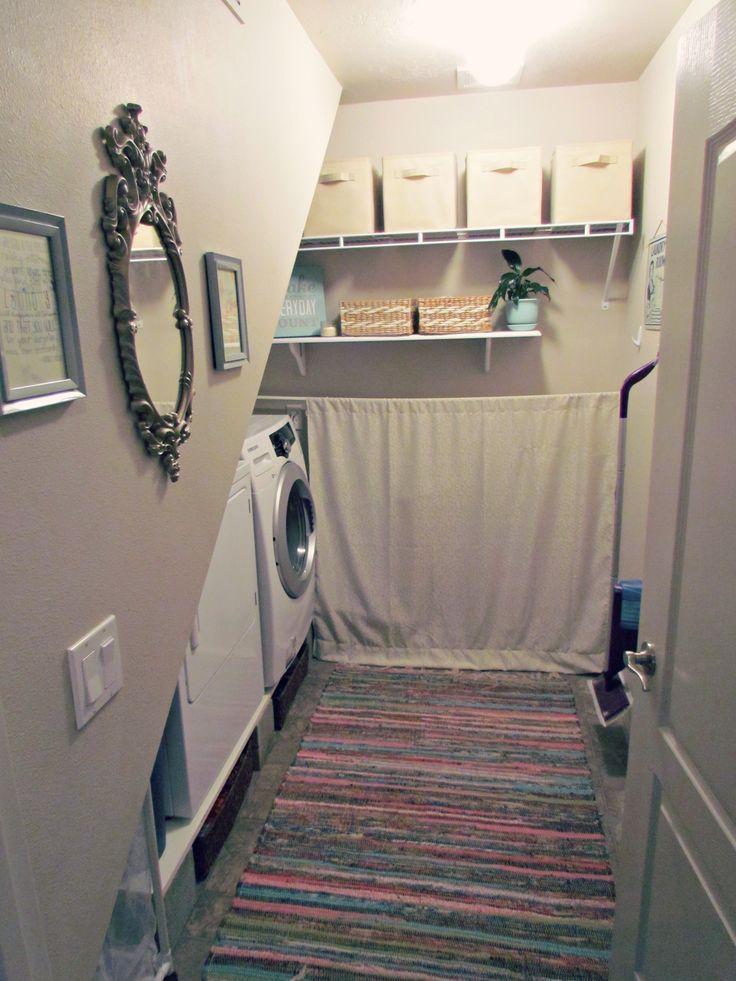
(95, 669)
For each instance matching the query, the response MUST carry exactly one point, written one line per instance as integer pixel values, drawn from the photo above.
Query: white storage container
(591, 182)
(419, 192)
(504, 187)
(343, 202)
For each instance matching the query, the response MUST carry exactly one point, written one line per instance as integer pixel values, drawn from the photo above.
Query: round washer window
(294, 529)
(298, 528)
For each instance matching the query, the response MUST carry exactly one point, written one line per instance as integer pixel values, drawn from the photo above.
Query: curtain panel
(466, 533)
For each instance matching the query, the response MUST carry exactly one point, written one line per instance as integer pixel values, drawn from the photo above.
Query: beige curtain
(472, 533)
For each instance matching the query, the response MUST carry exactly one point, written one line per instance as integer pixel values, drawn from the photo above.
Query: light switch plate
(95, 656)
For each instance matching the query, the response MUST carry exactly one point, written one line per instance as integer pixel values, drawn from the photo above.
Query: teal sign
(303, 310)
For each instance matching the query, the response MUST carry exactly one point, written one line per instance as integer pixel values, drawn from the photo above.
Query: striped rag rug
(434, 824)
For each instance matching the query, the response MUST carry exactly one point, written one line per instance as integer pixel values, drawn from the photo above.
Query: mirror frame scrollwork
(132, 199)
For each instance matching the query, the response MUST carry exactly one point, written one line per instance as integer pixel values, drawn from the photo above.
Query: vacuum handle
(636, 376)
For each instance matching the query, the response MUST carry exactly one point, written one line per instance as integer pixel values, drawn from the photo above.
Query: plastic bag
(130, 951)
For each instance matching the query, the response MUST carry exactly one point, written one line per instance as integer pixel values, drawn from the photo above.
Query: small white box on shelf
(504, 187)
(591, 182)
(343, 202)
(419, 192)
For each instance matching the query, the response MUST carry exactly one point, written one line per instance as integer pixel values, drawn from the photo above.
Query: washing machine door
(294, 533)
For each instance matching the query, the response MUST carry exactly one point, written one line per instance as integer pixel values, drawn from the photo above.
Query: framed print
(40, 361)
(227, 310)
(655, 283)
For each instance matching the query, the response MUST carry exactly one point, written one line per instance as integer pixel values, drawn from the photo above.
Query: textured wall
(90, 525)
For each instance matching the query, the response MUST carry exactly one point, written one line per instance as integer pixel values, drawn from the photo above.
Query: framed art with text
(40, 360)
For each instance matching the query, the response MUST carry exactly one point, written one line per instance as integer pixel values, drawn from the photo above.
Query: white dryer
(221, 681)
(286, 540)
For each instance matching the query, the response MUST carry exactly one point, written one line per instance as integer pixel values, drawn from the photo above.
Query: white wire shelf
(614, 230)
(456, 236)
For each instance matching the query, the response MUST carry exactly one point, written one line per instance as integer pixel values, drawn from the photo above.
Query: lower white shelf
(297, 345)
(180, 832)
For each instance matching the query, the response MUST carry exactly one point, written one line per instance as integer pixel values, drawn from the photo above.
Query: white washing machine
(286, 540)
(221, 685)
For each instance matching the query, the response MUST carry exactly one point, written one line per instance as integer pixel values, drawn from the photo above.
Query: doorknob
(643, 663)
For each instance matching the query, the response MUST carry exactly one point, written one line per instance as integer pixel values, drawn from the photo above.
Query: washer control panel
(282, 440)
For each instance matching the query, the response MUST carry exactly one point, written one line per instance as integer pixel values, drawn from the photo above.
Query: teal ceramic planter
(523, 316)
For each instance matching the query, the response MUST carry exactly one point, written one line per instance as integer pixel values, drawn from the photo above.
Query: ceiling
(369, 47)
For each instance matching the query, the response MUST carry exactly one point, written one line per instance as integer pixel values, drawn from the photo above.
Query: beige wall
(653, 147)
(583, 345)
(90, 524)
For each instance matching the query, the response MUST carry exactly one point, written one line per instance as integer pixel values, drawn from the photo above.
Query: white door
(676, 902)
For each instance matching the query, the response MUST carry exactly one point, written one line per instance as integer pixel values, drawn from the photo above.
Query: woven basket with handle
(376, 317)
(454, 314)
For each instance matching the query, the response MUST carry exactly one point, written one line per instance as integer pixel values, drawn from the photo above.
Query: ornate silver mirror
(149, 291)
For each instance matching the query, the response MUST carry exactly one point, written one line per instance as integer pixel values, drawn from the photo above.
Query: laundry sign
(655, 283)
(303, 310)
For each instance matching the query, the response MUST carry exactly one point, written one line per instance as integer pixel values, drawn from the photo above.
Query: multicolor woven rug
(434, 824)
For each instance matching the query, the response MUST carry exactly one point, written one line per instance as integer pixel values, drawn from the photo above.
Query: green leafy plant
(516, 285)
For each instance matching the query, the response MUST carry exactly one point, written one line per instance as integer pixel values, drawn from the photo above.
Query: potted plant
(519, 292)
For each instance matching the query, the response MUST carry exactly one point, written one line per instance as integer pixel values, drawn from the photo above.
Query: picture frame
(655, 283)
(227, 310)
(40, 358)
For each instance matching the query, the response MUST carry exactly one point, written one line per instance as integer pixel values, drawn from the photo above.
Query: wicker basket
(376, 317)
(454, 314)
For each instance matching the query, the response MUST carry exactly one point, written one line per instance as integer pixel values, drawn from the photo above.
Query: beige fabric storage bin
(504, 187)
(343, 202)
(419, 192)
(454, 314)
(381, 318)
(591, 182)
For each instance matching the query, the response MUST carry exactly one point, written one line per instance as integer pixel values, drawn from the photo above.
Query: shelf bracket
(487, 361)
(615, 245)
(300, 356)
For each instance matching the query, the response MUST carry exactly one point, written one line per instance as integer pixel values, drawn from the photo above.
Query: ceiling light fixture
(504, 68)
(487, 37)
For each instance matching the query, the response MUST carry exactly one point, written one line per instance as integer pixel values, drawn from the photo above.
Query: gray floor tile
(284, 749)
(262, 791)
(189, 956)
(208, 911)
(320, 670)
